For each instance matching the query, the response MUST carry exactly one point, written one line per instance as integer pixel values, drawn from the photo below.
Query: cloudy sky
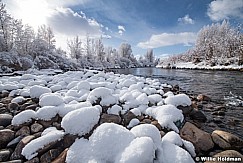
(167, 26)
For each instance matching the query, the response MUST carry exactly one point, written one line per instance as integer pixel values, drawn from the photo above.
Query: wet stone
(36, 127)
(5, 119)
(220, 113)
(25, 130)
(4, 154)
(6, 135)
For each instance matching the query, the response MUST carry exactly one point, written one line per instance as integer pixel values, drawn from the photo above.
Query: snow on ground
(80, 97)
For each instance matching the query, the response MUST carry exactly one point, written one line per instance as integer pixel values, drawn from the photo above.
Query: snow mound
(180, 99)
(36, 91)
(174, 154)
(80, 121)
(30, 150)
(133, 123)
(108, 140)
(147, 130)
(140, 150)
(24, 116)
(46, 112)
(18, 99)
(115, 109)
(166, 116)
(83, 85)
(155, 98)
(105, 94)
(51, 99)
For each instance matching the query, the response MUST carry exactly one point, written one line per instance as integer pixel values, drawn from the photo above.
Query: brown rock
(147, 121)
(227, 140)
(156, 124)
(110, 118)
(36, 127)
(62, 157)
(68, 140)
(202, 97)
(162, 133)
(6, 135)
(25, 130)
(4, 154)
(45, 124)
(227, 156)
(17, 152)
(128, 116)
(50, 155)
(5, 119)
(201, 140)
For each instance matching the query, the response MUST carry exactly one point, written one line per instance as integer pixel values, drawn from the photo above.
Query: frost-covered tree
(75, 48)
(125, 50)
(46, 34)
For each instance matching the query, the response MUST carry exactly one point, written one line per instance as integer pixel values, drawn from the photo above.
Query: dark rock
(50, 155)
(162, 133)
(17, 152)
(6, 135)
(6, 100)
(57, 125)
(36, 127)
(226, 140)
(202, 97)
(5, 119)
(198, 115)
(4, 110)
(185, 109)
(31, 107)
(15, 142)
(220, 113)
(45, 124)
(68, 140)
(13, 106)
(4, 94)
(201, 140)
(62, 157)
(33, 160)
(217, 120)
(220, 108)
(128, 116)
(110, 118)
(5, 154)
(25, 130)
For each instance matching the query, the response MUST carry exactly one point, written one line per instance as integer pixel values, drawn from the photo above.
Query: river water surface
(216, 84)
(223, 87)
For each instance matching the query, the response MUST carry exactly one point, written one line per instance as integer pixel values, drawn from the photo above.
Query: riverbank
(202, 66)
(91, 110)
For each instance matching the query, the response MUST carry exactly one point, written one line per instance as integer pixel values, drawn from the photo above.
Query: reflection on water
(216, 84)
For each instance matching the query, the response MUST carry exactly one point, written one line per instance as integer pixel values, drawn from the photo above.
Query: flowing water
(224, 87)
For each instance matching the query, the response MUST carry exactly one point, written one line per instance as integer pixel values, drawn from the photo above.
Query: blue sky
(167, 26)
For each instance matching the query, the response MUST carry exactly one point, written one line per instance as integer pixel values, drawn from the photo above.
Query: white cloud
(121, 29)
(186, 20)
(224, 9)
(66, 21)
(168, 39)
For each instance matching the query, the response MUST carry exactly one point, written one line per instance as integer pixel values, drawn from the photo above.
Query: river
(224, 87)
(216, 84)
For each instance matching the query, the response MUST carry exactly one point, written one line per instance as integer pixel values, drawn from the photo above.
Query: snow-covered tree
(75, 48)
(45, 33)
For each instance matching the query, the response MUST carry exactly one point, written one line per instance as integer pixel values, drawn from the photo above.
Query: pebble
(4, 154)
(5, 119)
(6, 135)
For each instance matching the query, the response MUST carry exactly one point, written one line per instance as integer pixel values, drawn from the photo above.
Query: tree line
(39, 47)
(216, 44)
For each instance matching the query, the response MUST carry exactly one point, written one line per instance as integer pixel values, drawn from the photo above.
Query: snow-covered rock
(30, 150)
(36, 91)
(24, 116)
(180, 99)
(51, 99)
(80, 121)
